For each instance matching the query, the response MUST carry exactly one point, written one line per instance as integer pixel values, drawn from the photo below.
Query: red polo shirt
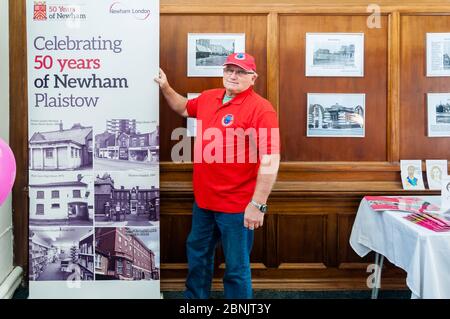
(231, 139)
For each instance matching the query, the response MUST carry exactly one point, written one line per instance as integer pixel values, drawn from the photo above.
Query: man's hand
(162, 80)
(253, 218)
(175, 100)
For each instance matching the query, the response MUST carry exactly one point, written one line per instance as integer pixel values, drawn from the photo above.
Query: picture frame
(334, 54)
(436, 171)
(335, 115)
(438, 110)
(438, 54)
(206, 52)
(411, 174)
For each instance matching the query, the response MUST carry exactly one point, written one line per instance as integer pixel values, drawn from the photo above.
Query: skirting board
(10, 284)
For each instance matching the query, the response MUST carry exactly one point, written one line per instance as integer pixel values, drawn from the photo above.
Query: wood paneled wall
(304, 243)
(415, 85)
(295, 86)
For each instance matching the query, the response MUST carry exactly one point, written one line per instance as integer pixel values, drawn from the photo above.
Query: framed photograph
(191, 122)
(334, 54)
(207, 52)
(436, 170)
(411, 174)
(335, 115)
(438, 105)
(438, 54)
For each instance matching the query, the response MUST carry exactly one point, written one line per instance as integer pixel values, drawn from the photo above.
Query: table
(422, 253)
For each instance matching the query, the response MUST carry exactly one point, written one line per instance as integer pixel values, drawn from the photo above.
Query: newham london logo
(40, 11)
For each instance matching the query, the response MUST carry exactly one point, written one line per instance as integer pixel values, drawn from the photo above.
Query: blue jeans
(208, 227)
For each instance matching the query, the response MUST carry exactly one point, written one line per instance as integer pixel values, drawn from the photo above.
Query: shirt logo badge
(227, 120)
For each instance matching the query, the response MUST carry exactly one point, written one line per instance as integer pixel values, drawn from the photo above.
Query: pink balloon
(7, 171)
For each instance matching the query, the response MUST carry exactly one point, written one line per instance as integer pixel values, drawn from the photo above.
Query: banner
(93, 148)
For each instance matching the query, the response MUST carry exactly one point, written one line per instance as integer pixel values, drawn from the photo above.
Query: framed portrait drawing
(207, 52)
(445, 196)
(411, 174)
(436, 170)
(334, 54)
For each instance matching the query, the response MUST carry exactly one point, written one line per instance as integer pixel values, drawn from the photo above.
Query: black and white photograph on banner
(126, 199)
(57, 145)
(61, 198)
(335, 54)
(336, 115)
(438, 54)
(61, 253)
(438, 106)
(207, 52)
(124, 253)
(123, 144)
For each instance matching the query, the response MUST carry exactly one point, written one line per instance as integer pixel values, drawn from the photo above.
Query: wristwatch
(262, 207)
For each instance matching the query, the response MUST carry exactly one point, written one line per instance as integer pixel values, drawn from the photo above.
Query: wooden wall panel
(19, 129)
(173, 59)
(346, 255)
(301, 239)
(294, 87)
(414, 142)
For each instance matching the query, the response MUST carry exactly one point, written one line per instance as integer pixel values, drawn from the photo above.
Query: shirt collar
(239, 98)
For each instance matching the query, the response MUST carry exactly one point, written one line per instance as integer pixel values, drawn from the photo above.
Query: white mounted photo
(335, 115)
(436, 170)
(191, 122)
(411, 174)
(445, 195)
(207, 52)
(335, 54)
(438, 54)
(438, 106)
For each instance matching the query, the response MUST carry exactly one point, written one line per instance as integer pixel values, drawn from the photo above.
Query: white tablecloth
(422, 253)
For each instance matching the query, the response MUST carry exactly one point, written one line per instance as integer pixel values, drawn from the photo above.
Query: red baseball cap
(242, 60)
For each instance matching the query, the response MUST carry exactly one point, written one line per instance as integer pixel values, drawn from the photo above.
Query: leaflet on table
(404, 204)
(430, 221)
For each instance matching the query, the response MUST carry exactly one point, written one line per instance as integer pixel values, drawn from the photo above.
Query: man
(230, 194)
